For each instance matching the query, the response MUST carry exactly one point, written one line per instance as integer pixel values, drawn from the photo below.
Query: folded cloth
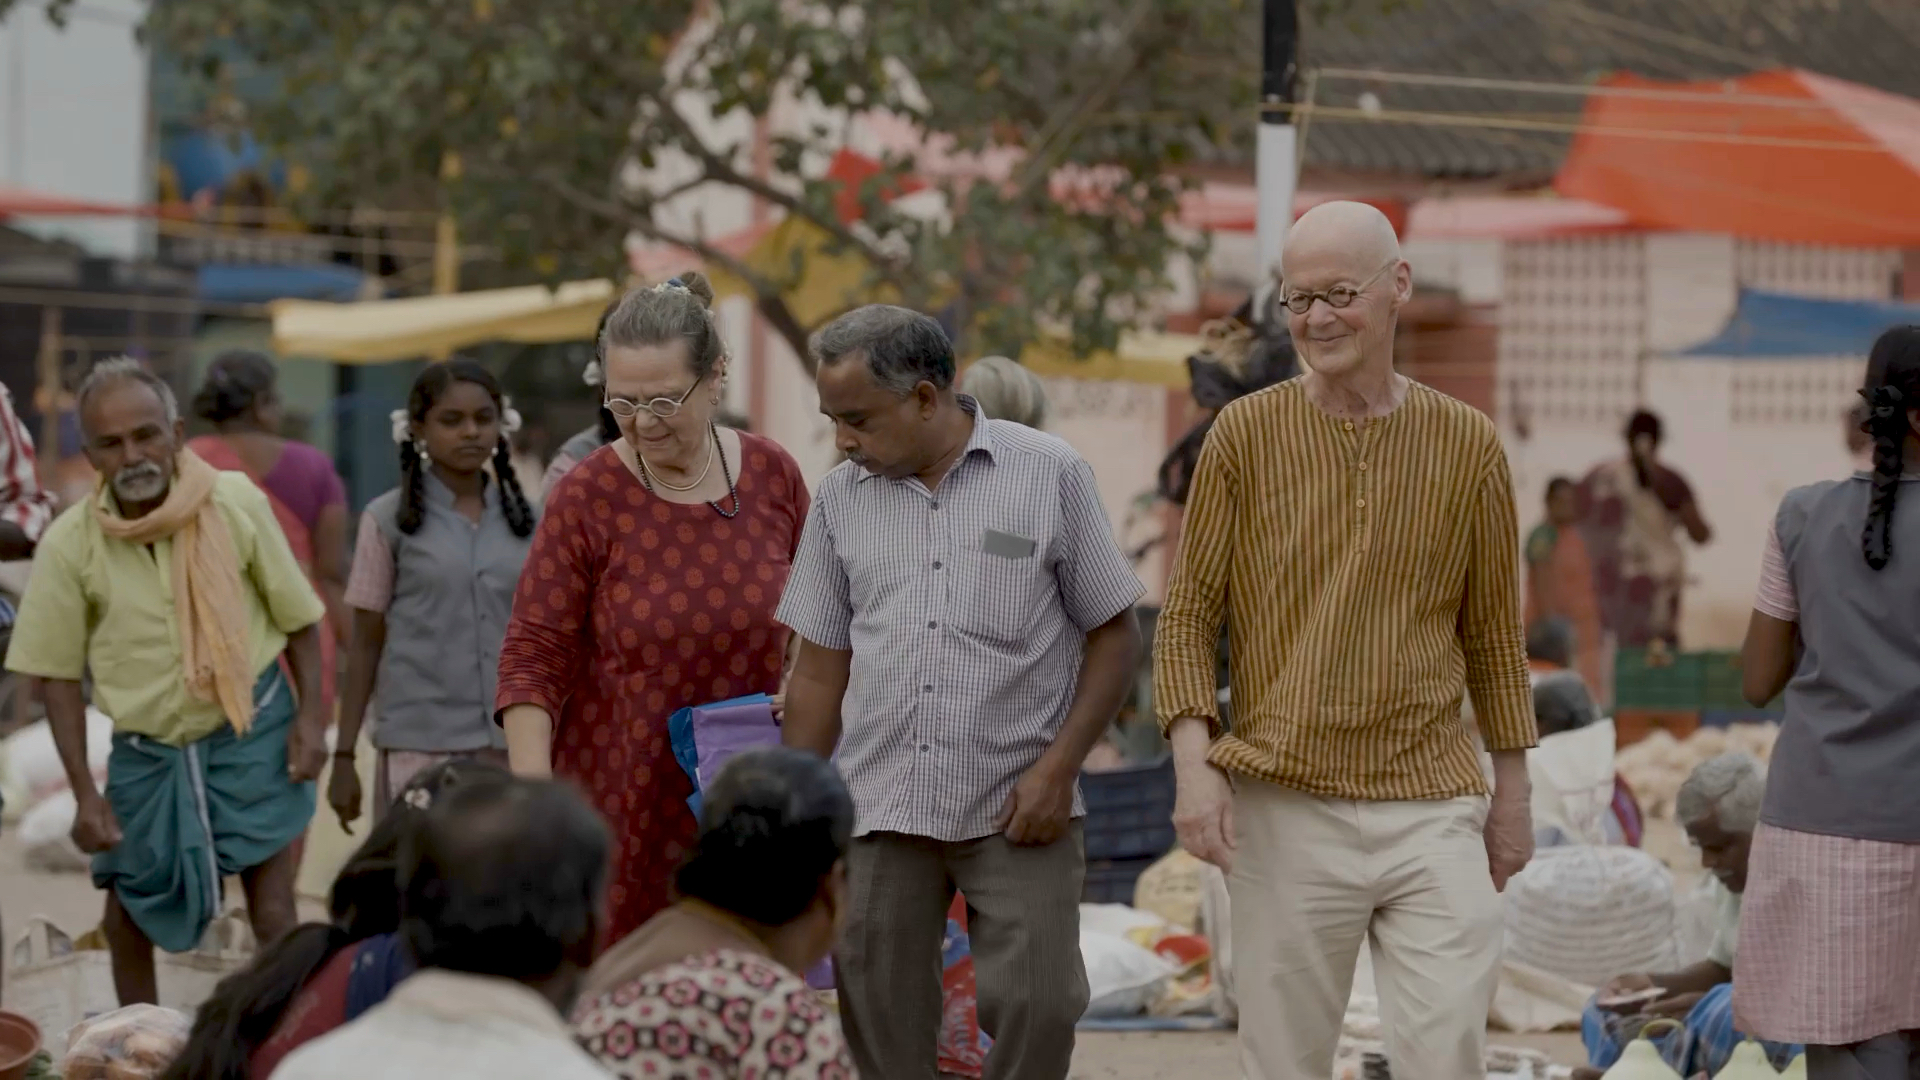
(1705, 1045)
(705, 737)
(191, 815)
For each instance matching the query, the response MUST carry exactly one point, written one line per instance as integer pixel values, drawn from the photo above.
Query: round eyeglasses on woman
(665, 408)
(1300, 302)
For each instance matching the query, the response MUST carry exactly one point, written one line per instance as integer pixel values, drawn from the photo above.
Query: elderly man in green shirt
(176, 590)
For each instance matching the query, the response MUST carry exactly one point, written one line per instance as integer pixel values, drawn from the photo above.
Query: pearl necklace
(653, 478)
(713, 447)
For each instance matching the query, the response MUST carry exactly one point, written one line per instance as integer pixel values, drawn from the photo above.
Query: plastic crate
(1679, 683)
(1112, 881)
(1129, 811)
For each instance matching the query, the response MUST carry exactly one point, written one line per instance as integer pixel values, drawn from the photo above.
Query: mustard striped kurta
(1368, 573)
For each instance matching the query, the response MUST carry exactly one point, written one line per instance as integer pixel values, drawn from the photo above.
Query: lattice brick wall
(1816, 390)
(1813, 391)
(1572, 319)
(1839, 273)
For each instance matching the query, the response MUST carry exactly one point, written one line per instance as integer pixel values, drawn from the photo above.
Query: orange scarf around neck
(206, 584)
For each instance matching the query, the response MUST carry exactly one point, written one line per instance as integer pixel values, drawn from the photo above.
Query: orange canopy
(1778, 155)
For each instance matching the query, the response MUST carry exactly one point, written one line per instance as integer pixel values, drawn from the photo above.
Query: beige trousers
(1313, 880)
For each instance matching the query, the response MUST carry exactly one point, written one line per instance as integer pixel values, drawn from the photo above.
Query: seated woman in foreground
(714, 980)
(320, 976)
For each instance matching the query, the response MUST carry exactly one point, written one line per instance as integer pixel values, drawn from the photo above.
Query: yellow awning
(1145, 357)
(379, 331)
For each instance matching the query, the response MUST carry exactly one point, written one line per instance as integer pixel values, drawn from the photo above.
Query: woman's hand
(529, 731)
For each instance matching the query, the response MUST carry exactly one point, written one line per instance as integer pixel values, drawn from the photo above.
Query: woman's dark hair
(1551, 640)
(1892, 389)
(247, 1006)
(236, 381)
(1645, 423)
(678, 309)
(1561, 703)
(1554, 485)
(772, 826)
(427, 389)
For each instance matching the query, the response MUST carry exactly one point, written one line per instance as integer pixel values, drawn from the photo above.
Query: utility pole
(1276, 155)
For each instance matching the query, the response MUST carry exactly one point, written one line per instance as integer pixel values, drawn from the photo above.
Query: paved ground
(71, 900)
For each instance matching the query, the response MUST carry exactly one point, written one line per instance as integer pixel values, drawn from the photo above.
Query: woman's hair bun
(697, 284)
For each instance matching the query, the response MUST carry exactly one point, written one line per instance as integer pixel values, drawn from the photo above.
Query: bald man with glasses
(1356, 533)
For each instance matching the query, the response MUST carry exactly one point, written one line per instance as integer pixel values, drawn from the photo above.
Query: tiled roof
(1874, 42)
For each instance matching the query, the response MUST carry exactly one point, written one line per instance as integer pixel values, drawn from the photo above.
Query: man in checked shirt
(968, 635)
(1356, 533)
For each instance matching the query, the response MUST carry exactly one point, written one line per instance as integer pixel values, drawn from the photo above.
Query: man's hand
(1509, 836)
(1203, 812)
(343, 792)
(95, 828)
(306, 748)
(1040, 807)
(1203, 795)
(1622, 985)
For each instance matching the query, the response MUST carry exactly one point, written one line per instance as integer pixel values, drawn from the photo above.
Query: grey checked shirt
(967, 611)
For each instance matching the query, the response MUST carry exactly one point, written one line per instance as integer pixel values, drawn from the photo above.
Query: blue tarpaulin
(241, 283)
(1775, 325)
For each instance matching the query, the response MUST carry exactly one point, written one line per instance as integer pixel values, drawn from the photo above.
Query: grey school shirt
(453, 585)
(1848, 759)
(966, 609)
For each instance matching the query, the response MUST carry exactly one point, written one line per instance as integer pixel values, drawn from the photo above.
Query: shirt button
(1349, 425)
(936, 504)
(923, 748)
(933, 625)
(1363, 466)
(926, 689)
(1362, 504)
(936, 566)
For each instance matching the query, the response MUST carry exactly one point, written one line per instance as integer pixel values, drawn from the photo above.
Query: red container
(19, 1042)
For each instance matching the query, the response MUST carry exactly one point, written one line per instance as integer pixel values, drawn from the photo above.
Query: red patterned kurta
(631, 607)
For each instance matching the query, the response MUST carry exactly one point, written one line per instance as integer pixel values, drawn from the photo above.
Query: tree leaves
(581, 122)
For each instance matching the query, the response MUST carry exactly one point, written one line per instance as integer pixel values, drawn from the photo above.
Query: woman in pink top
(309, 500)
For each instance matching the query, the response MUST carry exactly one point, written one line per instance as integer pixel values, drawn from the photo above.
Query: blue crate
(1129, 811)
(1112, 881)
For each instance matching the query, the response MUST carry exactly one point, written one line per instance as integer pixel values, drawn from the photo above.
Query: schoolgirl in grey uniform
(434, 573)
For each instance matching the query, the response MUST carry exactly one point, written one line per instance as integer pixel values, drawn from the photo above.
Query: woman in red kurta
(651, 587)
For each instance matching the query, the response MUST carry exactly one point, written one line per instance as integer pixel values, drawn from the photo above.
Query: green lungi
(192, 815)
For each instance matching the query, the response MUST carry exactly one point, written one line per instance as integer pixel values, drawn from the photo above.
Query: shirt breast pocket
(1006, 584)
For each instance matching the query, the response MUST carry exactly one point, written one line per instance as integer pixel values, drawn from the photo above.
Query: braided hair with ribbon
(1892, 394)
(427, 390)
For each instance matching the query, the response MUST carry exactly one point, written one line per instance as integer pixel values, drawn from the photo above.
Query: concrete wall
(73, 118)
(1588, 331)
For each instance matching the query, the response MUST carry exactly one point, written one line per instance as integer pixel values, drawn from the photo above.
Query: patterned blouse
(723, 1015)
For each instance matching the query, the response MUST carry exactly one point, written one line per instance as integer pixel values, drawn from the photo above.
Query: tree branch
(767, 297)
(1066, 125)
(722, 171)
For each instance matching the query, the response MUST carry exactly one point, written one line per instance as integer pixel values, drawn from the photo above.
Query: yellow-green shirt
(1368, 575)
(98, 604)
